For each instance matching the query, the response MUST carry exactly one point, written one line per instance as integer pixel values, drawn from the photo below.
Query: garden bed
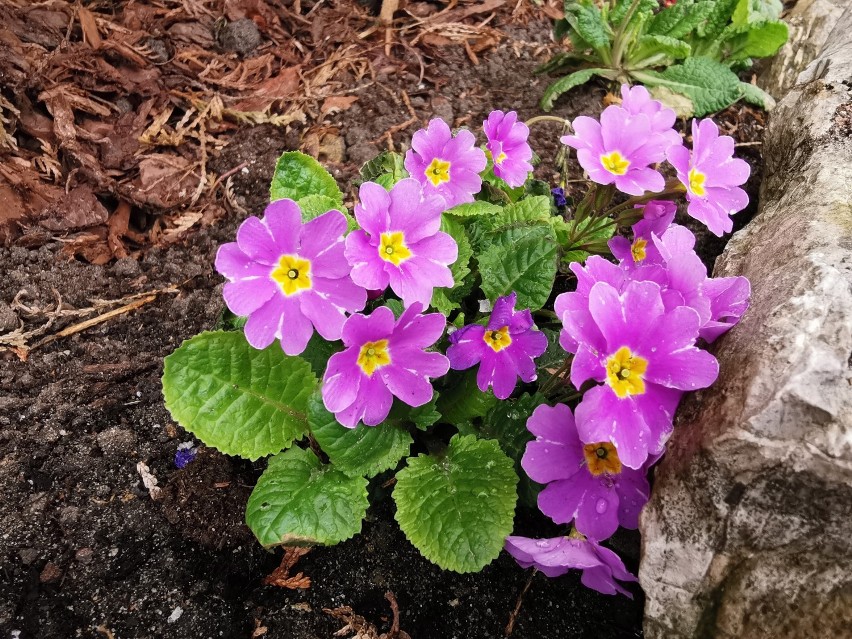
(86, 551)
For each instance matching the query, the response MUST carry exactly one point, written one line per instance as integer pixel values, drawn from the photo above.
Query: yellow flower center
(602, 458)
(438, 171)
(293, 274)
(392, 248)
(615, 163)
(499, 339)
(638, 249)
(624, 372)
(696, 182)
(501, 157)
(374, 355)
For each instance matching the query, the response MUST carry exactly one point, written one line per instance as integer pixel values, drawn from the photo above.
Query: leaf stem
(548, 118)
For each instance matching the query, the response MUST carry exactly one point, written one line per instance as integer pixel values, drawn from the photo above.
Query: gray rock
(117, 442)
(809, 22)
(749, 529)
(241, 36)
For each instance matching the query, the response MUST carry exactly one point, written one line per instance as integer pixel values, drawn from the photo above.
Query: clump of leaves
(688, 54)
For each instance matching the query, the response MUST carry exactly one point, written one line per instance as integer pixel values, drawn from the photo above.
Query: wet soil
(86, 552)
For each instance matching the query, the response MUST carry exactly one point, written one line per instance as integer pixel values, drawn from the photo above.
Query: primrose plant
(420, 343)
(687, 51)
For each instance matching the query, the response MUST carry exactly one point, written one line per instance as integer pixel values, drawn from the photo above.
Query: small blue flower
(185, 454)
(559, 197)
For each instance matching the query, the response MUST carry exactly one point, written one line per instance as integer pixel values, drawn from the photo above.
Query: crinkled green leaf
(386, 163)
(421, 416)
(531, 211)
(457, 509)
(298, 500)
(318, 351)
(237, 399)
(710, 85)
(364, 450)
(526, 266)
(461, 400)
(506, 422)
(717, 19)
(753, 94)
(568, 82)
(315, 205)
(757, 11)
(473, 209)
(753, 40)
(297, 175)
(680, 19)
(586, 19)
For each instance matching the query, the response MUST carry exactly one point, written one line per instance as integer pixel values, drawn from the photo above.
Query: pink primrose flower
(644, 357)
(384, 358)
(711, 176)
(289, 277)
(554, 557)
(507, 143)
(620, 150)
(636, 100)
(504, 349)
(445, 165)
(586, 483)
(400, 243)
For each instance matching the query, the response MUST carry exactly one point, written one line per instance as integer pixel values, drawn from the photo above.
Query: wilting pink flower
(554, 557)
(586, 483)
(400, 243)
(445, 165)
(657, 216)
(619, 149)
(383, 359)
(507, 143)
(289, 277)
(636, 100)
(712, 176)
(643, 355)
(729, 299)
(504, 349)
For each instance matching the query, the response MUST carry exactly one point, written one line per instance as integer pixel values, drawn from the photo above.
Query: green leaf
(679, 20)
(462, 400)
(300, 501)
(553, 357)
(422, 417)
(524, 263)
(754, 40)
(578, 252)
(318, 351)
(315, 205)
(644, 11)
(562, 61)
(445, 300)
(753, 94)
(757, 11)
(364, 450)
(506, 422)
(586, 19)
(386, 163)
(565, 84)
(531, 211)
(237, 399)
(658, 50)
(474, 209)
(458, 509)
(710, 85)
(297, 175)
(717, 18)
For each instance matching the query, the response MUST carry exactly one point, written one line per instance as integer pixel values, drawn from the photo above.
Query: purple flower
(729, 298)
(445, 165)
(636, 100)
(554, 557)
(383, 358)
(559, 197)
(504, 348)
(585, 482)
(185, 454)
(619, 149)
(643, 355)
(507, 143)
(289, 277)
(400, 243)
(712, 176)
(657, 216)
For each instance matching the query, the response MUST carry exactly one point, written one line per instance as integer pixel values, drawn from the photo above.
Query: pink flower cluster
(625, 147)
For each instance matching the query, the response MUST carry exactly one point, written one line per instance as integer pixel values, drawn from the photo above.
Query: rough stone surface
(810, 22)
(749, 529)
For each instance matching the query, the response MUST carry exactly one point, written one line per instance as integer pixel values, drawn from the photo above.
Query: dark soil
(86, 552)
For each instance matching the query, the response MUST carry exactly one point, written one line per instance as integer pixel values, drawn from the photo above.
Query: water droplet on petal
(600, 507)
